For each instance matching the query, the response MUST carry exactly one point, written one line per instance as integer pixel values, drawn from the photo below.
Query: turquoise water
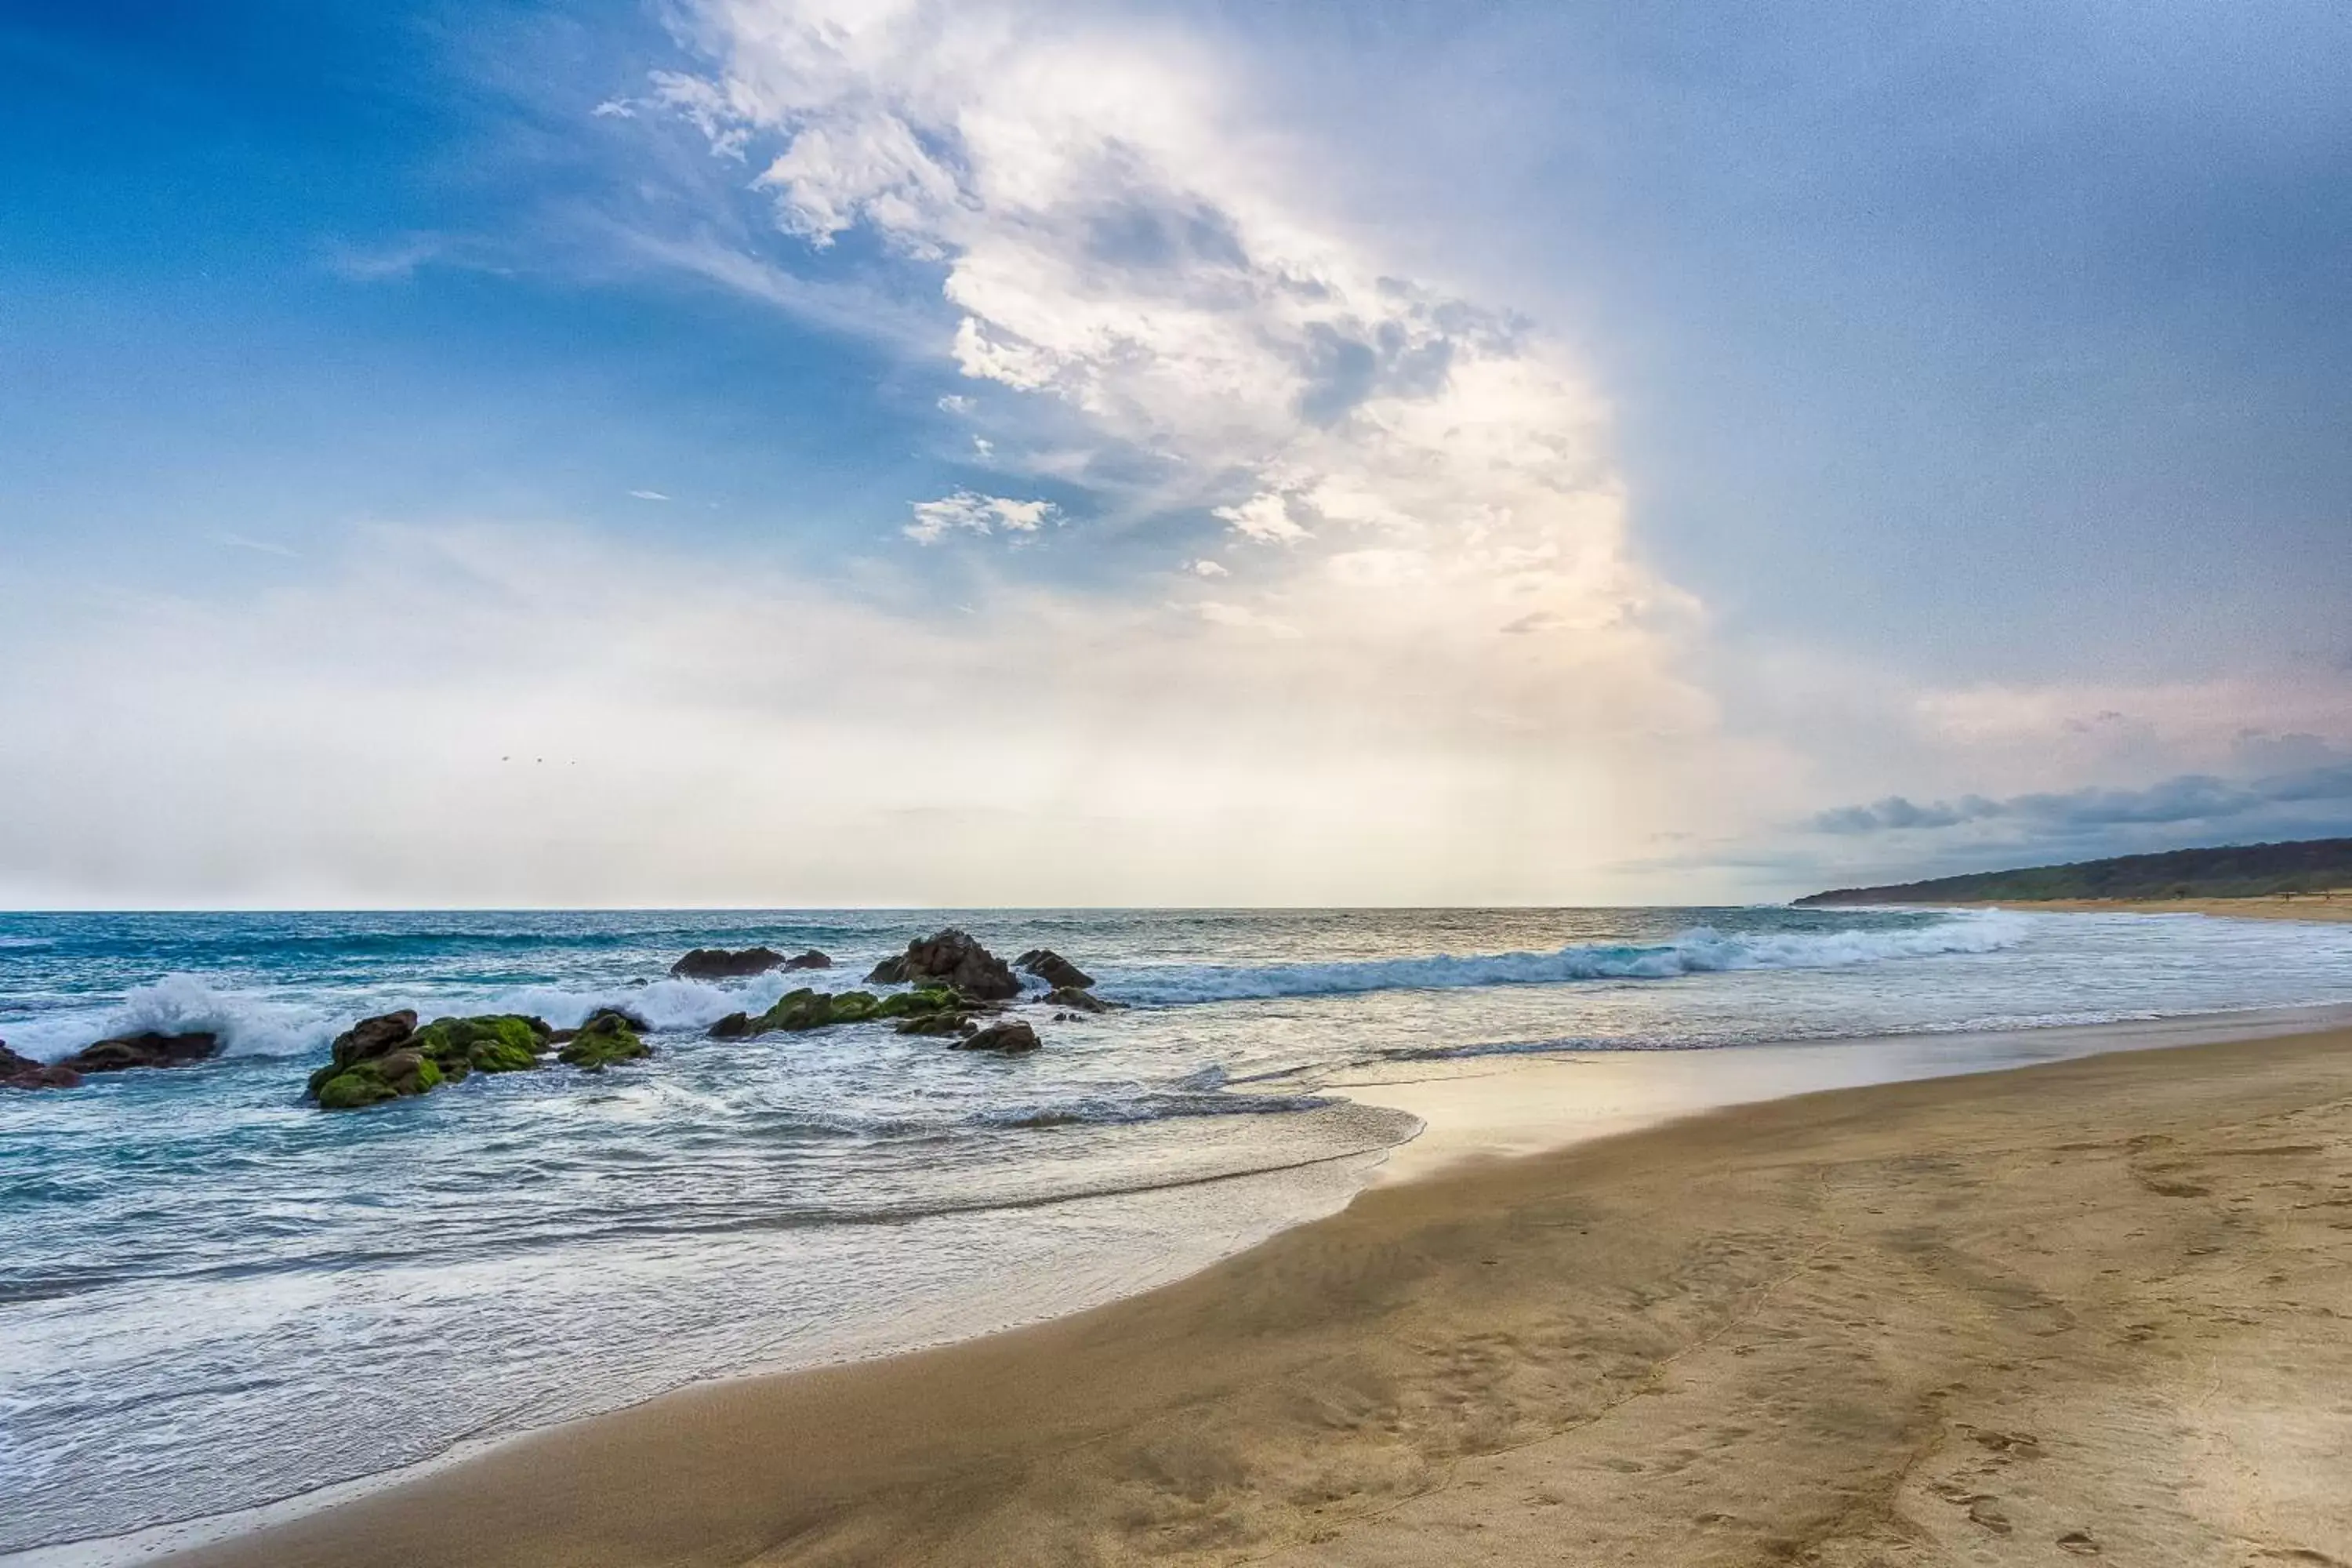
(211, 1295)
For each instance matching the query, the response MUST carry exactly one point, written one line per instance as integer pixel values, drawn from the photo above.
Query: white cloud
(1125, 252)
(1208, 569)
(977, 513)
(648, 495)
(1263, 517)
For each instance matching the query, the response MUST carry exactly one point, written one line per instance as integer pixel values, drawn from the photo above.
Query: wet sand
(2096, 1308)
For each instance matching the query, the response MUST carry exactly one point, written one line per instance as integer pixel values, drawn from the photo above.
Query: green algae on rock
(805, 1009)
(603, 1041)
(490, 1042)
(389, 1077)
(389, 1057)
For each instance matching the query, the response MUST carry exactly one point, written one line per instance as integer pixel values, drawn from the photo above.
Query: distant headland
(2310, 879)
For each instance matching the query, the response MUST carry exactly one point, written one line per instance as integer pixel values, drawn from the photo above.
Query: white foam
(181, 1004)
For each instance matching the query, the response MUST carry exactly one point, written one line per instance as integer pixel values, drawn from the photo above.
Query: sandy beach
(2094, 1307)
(2336, 906)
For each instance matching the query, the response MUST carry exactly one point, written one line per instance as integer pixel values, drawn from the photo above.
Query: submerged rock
(148, 1050)
(603, 1041)
(22, 1072)
(1009, 1038)
(718, 963)
(950, 958)
(1083, 1001)
(798, 1011)
(1054, 969)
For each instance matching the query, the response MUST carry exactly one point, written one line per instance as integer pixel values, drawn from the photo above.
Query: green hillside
(2233, 871)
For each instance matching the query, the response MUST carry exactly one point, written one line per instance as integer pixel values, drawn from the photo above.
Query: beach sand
(2099, 1308)
(2336, 906)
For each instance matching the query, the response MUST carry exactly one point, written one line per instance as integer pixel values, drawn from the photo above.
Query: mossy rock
(601, 1042)
(490, 1042)
(923, 1001)
(399, 1075)
(933, 1024)
(805, 1009)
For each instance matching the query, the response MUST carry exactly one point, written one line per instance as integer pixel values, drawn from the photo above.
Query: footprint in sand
(2078, 1543)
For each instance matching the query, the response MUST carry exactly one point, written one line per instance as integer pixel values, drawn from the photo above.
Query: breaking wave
(179, 1005)
(1700, 950)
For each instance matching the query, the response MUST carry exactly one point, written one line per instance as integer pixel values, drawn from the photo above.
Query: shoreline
(2320, 908)
(703, 1414)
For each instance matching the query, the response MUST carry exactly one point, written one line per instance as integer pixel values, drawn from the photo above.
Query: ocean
(214, 1296)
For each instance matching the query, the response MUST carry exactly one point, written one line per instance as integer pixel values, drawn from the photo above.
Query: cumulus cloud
(1413, 480)
(977, 513)
(1112, 239)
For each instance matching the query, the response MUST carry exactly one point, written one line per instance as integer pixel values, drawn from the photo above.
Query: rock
(148, 1050)
(353, 1088)
(632, 1021)
(950, 958)
(490, 1042)
(718, 963)
(372, 1037)
(395, 1075)
(734, 1026)
(805, 1009)
(388, 1057)
(1054, 969)
(935, 1024)
(23, 1072)
(1083, 1001)
(811, 959)
(1011, 1038)
(603, 1041)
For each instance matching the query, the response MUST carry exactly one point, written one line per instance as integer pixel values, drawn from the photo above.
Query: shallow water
(211, 1295)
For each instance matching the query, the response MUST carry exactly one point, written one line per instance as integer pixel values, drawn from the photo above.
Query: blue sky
(990, 454)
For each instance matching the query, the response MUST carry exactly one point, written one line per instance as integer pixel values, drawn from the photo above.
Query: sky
(813, 453)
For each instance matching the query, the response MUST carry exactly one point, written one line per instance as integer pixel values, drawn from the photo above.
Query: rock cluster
(953, 959)
(718, 963)
(389, 1057)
